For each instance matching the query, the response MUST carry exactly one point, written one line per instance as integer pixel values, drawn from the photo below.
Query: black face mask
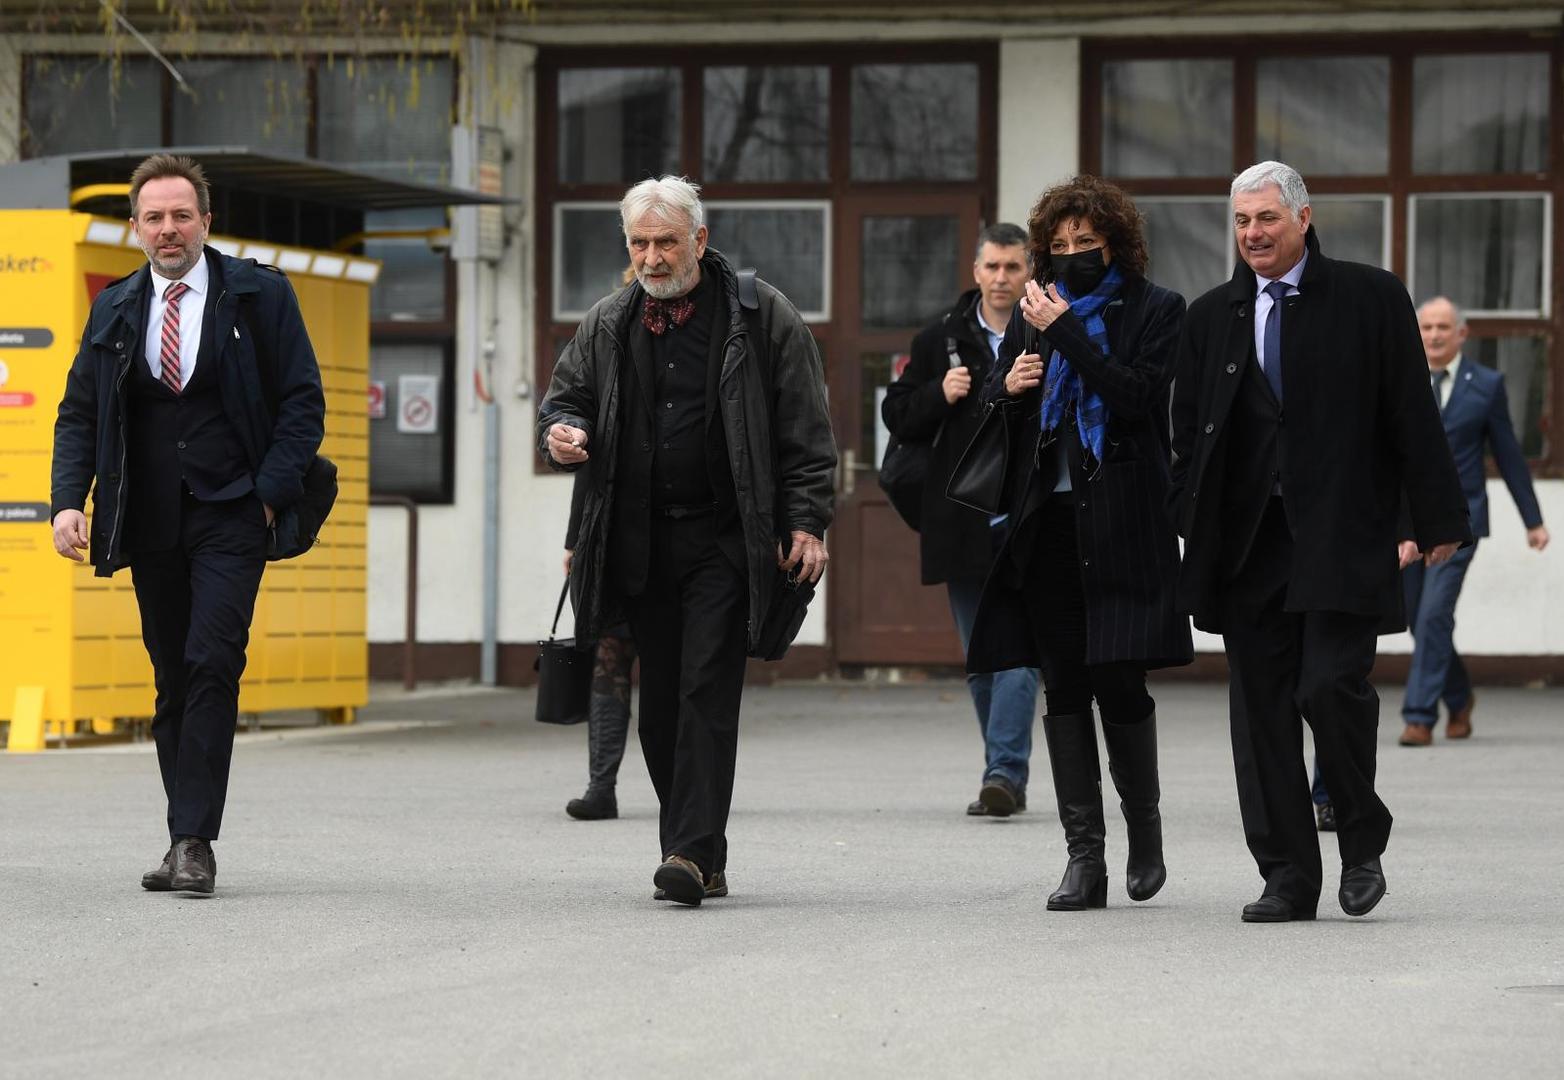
(1081, 272)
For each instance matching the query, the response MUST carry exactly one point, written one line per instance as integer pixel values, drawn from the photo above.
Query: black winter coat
(1359, 428)
(1128, 548)
(771, 396)
(954, 543)
(276, 364)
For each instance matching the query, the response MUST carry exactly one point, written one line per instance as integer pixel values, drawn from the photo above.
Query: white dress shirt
(1263, 303)
(1447, 387)
(192, 309)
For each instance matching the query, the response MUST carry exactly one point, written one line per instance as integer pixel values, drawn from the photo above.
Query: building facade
(852, 161)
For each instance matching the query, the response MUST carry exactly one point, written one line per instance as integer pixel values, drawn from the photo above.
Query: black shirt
(680, 356)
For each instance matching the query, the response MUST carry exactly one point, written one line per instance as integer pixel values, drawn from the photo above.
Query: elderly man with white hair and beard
(694, 398)
(1301, 419)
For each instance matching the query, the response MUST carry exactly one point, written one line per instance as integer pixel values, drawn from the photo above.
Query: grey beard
(668, 288)
(174, 270)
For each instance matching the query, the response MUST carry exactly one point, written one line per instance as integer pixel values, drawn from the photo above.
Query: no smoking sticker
(418, 404)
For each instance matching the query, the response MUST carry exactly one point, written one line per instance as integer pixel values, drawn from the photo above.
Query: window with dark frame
(1437, 158)
(338, 110)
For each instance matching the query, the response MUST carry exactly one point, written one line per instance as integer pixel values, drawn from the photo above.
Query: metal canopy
(46, 183)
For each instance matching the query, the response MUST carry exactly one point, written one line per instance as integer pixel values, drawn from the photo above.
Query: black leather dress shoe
(593, 806)
(158, 880)
(1362, 886)
(999, 797)
(1276, 909)
(195, 867)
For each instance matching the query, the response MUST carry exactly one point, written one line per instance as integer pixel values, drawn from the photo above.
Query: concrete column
(1039, 119)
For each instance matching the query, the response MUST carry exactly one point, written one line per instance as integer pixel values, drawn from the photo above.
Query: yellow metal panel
(77, 638)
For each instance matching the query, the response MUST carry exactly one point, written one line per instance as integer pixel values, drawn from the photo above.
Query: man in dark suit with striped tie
(1476, 414)
(191, 413)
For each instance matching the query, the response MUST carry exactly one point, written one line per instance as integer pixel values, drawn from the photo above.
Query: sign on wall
(418, 404)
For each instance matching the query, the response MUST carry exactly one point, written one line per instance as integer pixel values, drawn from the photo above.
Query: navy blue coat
(270, 385)
(1478, 416)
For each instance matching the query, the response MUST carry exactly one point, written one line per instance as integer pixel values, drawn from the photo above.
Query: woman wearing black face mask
(1084, 587)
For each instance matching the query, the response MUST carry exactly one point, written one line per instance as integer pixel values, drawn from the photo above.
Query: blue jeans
(1437, 672)
(1005, 701)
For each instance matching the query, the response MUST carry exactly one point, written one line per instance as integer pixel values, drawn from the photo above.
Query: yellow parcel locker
(70, 643)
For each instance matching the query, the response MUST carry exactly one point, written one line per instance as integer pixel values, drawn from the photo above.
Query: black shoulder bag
(297, 526)
(905, 469)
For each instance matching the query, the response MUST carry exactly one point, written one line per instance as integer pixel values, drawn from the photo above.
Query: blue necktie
(1273, 337)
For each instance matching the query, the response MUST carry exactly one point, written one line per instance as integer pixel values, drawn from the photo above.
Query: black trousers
(196, 601)
(690, 628)
(1286, 667)
(1056, 610)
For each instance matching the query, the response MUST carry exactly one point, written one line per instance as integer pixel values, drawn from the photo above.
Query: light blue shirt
(994, 336)
(1263, 303)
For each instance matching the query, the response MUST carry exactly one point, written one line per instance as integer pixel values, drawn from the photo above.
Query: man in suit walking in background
(1476, 414)
(167, 420)
(1300, 417)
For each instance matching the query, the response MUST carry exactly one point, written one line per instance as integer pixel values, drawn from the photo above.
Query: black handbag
(979, 477)
(564, 675)
(790, 598)
(297, 526)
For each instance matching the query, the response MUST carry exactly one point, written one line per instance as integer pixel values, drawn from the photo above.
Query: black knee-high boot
(1072, 756)
(1132, 762)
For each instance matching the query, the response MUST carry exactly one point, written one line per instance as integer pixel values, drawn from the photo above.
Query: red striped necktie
(169, 355)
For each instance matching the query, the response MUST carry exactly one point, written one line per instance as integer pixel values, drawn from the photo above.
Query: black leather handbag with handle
(981, 476)
(564, 675)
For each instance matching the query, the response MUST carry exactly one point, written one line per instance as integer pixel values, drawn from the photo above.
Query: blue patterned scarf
(1063, 386)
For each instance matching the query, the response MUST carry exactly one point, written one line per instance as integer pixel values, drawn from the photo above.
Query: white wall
(1039, 120)
(497, 91)
(1509, 601)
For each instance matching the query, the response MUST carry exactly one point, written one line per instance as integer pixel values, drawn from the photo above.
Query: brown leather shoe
(1417, 735)
(716, 885)
(680, 880)
(158, 880)
(1460, 723)
(195, 867)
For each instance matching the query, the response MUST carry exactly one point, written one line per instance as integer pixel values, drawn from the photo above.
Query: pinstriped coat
(1127, 543)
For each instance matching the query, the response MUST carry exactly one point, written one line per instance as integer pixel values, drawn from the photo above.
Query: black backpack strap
(749, 304)
(952, 351)
(749, 292)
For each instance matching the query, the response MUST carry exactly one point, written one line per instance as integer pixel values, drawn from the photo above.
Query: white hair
(669, 197)
(1460, 316)
(1268, 173)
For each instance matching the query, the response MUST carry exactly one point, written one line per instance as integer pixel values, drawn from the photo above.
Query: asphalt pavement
(406, 897)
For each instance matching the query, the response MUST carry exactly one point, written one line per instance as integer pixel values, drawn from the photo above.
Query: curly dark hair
(1091, 198)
